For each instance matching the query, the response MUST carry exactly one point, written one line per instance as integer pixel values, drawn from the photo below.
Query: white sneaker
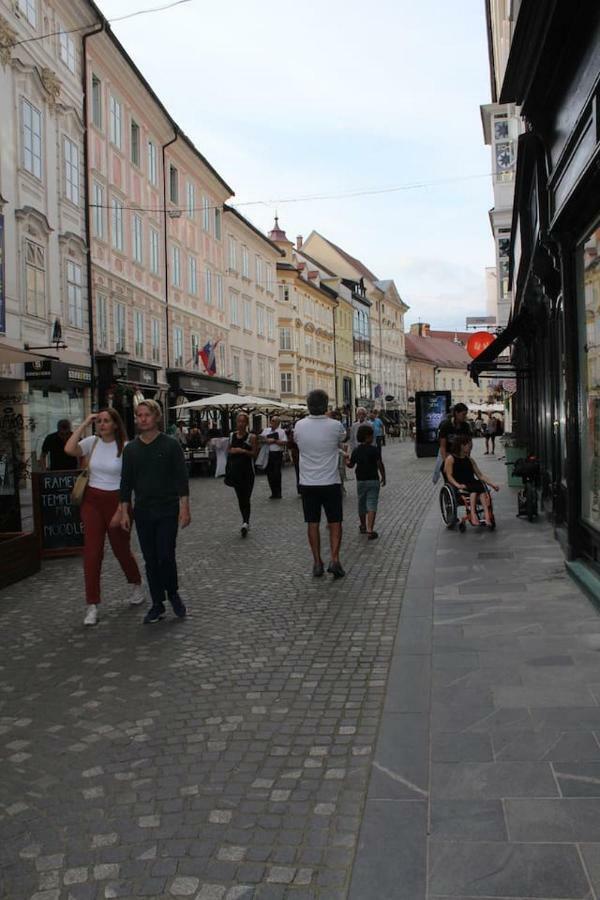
(91, 617)
(245, 529)
(138, 595)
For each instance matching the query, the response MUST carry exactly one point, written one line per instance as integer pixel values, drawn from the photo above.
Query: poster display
(431, 408)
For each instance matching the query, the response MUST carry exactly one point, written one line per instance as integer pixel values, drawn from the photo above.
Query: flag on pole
(207, 355)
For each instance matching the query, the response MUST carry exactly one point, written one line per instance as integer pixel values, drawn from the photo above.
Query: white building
(42, 212)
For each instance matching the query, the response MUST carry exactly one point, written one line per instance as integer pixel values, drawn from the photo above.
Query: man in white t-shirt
(318, 439)
(276, 439)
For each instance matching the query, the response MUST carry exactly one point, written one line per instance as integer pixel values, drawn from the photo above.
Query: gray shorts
(368, 496)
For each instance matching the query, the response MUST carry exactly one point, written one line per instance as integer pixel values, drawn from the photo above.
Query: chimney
(420, 328)
(299, 240)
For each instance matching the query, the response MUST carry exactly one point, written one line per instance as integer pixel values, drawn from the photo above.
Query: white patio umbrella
(231, 401)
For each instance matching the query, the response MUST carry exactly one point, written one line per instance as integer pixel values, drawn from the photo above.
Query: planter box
(19, 557)
(512, 455)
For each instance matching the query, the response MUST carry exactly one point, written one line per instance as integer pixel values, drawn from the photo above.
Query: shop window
(588, 264)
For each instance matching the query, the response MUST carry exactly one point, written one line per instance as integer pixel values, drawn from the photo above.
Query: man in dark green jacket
(154, 471)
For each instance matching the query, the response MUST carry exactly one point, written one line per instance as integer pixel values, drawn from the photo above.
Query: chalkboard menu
(58, 524)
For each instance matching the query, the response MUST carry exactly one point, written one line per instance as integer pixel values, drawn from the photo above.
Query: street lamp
(122, 361)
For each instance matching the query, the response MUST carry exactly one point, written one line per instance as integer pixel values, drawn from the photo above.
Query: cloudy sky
(329, 97)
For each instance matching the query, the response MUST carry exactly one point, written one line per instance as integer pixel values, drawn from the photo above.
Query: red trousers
(97, 510)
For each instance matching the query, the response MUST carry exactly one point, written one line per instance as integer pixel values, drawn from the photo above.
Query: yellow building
(306, 311)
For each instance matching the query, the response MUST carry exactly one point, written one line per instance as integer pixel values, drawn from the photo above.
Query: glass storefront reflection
(589, 299)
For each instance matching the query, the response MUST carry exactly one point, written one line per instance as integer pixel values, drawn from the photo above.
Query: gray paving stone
(468, 820)
(461, 747)
(569, 820)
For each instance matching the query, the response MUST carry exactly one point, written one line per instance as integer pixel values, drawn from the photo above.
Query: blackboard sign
(58, 524)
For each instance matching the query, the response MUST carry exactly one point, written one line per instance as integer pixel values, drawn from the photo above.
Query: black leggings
(243, 492)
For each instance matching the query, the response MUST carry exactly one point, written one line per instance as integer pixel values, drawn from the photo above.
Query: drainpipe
(335, 381)
(86, 204)
(166, 244)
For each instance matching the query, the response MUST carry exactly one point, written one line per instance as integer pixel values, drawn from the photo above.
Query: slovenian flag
(207, 355)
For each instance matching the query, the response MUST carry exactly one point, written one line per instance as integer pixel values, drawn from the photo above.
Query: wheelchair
(451, 499)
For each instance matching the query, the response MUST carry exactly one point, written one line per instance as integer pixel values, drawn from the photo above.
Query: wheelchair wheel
(448, 506)
(462, 527)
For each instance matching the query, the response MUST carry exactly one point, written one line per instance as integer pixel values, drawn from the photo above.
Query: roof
(355, 263)
(436, 352)
(462, 336)
(253, 228)
(315, 262)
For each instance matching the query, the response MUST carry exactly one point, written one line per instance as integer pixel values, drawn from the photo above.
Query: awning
(487, 361)
(10, 354)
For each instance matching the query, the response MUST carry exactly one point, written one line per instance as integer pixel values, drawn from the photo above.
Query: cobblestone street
(223, 756)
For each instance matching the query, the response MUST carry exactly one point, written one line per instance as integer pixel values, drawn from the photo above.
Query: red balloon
(478, 342)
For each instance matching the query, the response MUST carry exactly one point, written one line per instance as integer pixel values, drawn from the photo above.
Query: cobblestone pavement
(223, 756)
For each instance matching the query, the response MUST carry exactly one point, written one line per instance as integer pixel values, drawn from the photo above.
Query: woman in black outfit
(464, 474)
(240, 467)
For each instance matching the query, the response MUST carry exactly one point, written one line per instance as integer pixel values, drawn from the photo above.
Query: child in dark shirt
(369, 466)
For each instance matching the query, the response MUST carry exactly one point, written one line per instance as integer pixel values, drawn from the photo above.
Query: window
(232, 255)
(588, 290)
(96, 101)
(247, 315)
(248, 371)
(71, 156)
(270, 325)
(155, 337)
(98, 209)
(191, 200)
(138, 333)
(135, 143)
(173, 184)
(74, 295)
(219, 291)
(31, 138)
(138, 238)
(178, 346)
(35, 279)
(245, 263)
(222, 360)
(270, 284)
(29, 10)
(260, 320)
(285, 338)
(208, 286)
(271, 375)
(175, 266)
(284, 293)
(218, 224)
(116, 120)
(67, 50)
(120, 318)
(154, 251)
(152, 163)
(117, 224)
(195, 351)
(236, 366)
(192, 275)
(102, 323)
(234, 314)
(286, 383)
(260, 276)
(206, 213)
(261, 373)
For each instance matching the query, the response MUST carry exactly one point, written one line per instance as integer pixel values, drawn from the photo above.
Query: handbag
(81, 482)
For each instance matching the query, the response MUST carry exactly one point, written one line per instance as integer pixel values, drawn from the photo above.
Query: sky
(336, 96)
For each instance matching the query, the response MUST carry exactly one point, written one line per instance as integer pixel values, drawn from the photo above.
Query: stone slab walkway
(486, 777)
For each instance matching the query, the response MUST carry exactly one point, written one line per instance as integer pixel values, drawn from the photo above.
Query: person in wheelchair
(465, 476)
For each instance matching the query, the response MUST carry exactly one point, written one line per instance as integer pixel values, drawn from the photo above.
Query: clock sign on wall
(501, 130)
(505, 156)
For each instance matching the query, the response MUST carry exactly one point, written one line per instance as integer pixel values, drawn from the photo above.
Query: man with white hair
(361, 418)
(319, 438)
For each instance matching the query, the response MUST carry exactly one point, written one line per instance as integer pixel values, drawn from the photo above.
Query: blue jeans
(158, 538)
(368, 496)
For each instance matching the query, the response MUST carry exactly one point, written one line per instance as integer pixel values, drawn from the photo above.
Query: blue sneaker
(179, 607)
(154, 614)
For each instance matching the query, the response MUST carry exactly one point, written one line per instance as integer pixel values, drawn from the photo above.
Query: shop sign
(83, 376)
(41, 368)
(57, 373)
(141, 375)
(58, 524)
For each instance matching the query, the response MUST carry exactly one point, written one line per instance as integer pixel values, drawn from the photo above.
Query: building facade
(250, 294)
(43, 246)
(546, 60)
(306, 308)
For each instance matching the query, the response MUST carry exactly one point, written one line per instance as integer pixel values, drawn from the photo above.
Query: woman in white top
(100, 508)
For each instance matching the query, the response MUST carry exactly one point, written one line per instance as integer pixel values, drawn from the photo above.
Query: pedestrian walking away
(54, 453)
(276, 439)
(369, 466)
(491, 430)
(319, 439)
(378, 428)
(154, 472)
(239, 472)
(100, 510)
